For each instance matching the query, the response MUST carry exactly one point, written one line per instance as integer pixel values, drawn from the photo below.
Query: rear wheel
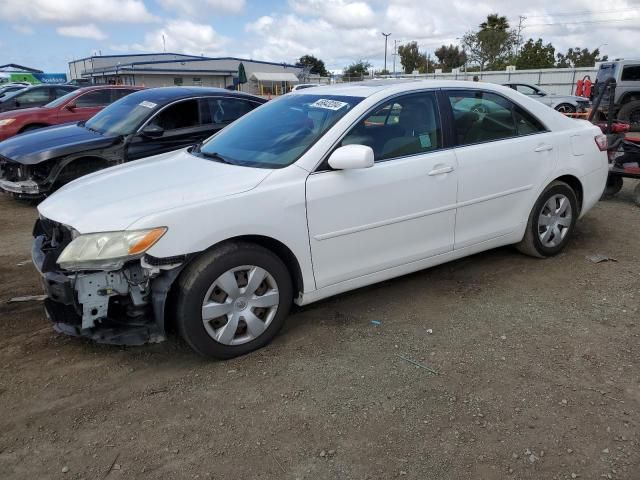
(614, 185)
(233, 300)
(551, 221)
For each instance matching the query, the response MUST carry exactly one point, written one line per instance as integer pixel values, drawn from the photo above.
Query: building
(169, 69)
(12, 72)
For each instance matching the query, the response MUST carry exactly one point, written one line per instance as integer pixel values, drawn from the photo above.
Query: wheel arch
(283, 252)
(575, 184)
(72, 161)
(628, 97)
(33, 124)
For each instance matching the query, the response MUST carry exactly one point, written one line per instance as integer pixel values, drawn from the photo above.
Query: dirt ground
(537, 361)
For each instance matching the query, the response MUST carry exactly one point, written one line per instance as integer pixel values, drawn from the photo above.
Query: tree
(576, 57)
(536, 55)
(450, 57)
(491, 46)
(357, 69)
(411, 58)
(315, 65)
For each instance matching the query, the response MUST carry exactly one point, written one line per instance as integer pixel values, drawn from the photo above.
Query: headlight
(108, 250)
(7, 121)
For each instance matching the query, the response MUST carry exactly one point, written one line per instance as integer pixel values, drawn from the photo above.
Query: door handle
(543, 148)
(441, 170)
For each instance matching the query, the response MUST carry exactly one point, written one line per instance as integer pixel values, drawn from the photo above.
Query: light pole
(386, 36)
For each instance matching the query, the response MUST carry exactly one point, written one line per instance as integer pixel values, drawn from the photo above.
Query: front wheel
(233, 300)
(551, 221)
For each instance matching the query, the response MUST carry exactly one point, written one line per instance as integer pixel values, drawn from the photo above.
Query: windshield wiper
(213, 156)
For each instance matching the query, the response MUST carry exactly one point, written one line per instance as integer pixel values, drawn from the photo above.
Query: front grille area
(55, 238)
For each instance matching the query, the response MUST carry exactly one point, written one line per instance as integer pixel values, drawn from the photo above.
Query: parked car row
(315, 193)
(139, 124)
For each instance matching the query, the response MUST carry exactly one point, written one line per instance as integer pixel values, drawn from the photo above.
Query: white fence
(553, 80)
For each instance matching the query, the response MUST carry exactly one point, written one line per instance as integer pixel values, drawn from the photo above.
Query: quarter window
(98, 98)
(408, 125)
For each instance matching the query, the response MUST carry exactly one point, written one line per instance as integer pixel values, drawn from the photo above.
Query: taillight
(601, 141)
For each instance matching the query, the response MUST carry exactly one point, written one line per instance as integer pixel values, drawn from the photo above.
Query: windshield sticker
(328, 104)
(147, 104)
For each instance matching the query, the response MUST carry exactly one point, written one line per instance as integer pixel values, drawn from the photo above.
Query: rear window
(631, 73)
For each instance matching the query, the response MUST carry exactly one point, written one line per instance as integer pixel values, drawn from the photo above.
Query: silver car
(562, 103)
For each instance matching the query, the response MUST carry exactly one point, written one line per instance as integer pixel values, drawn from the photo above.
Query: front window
(61, 100)
(278, 133)
(122, 117)
(526, 90)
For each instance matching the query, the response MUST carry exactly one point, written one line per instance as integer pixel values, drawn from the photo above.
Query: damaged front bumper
(121, 307)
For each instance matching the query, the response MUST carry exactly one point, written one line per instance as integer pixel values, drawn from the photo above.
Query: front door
(504, 155)
(400, 210)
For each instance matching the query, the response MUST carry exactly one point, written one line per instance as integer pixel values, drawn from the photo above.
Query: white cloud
(343, 13)
(203, 7)
(341, 31)
(82, 31)
(77, 11)
(182, 36)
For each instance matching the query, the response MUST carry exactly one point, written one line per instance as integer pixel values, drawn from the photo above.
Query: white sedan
(313, 194)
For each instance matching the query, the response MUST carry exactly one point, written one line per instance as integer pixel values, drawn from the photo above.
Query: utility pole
(386, 36)
(395, 54)
(164, 44)
(521, 20)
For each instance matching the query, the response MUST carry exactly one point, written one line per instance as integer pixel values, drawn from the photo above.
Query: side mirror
(153, 131)
(351, 157)
(542, 94)
(71, 106)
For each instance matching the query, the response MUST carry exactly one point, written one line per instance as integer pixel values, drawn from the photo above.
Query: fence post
(573, 82)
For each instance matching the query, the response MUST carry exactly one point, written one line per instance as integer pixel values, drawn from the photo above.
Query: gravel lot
(537, 361)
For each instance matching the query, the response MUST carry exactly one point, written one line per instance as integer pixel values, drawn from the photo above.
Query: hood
(114, 198)
(22, 112)
(47, 143)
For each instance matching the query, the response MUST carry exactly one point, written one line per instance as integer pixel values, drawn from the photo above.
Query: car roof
(393, 85)
(163, 95)
(110, 87)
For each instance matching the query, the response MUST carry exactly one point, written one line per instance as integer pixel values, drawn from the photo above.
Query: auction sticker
(147, 104)
(329, 104)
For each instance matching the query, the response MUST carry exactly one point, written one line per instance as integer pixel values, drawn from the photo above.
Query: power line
(590, 12)
(582, 22)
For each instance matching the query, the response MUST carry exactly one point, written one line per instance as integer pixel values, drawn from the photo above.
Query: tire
(213, 277)
(636, 194)
(614, 185)
(566, 108)
(630, 112)
(561, 228)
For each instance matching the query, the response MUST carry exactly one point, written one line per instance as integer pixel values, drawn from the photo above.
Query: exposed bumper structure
(122, 307)
(26, 187)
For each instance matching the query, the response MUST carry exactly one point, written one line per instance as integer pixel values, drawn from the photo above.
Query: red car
(78, 105)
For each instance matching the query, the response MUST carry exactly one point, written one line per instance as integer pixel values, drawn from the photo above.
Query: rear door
(504, 155)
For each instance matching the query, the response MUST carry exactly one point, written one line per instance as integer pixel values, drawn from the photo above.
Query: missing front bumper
(123, 307)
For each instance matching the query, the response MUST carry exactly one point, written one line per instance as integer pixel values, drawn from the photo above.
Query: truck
(626, 103)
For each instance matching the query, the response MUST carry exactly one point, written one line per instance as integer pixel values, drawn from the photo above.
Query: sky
(47, 34)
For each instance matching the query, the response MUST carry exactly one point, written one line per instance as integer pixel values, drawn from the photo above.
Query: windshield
(278, 133)
(11, 94)
(63, 99)
(122, 117)
(607, 70)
